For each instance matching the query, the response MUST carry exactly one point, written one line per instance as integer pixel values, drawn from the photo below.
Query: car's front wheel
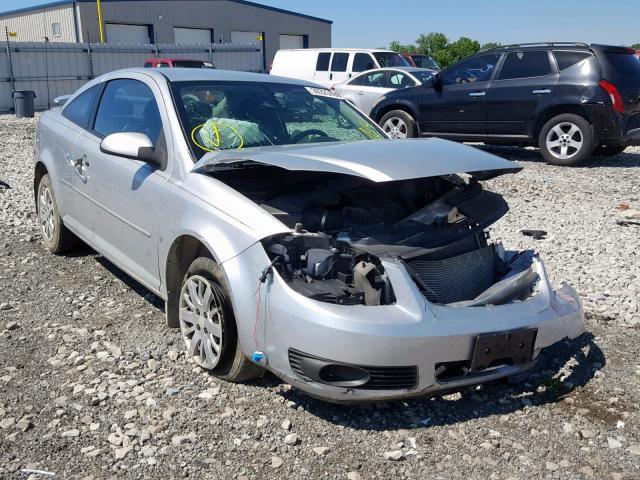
(566, 140)
(208, 326)
(398, 124)
(55, 236)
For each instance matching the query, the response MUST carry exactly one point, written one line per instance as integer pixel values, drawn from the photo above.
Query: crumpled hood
(376, 160)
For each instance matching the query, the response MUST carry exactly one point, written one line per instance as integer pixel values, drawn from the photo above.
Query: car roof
(204, 74)
(174, 59)
(408, 69)
(367, 50)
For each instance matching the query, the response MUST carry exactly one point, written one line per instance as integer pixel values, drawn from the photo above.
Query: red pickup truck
(176, 63)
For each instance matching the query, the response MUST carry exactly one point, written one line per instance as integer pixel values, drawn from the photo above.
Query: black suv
(568, 99)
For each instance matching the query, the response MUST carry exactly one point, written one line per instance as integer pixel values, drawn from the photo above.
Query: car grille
(455, 279)
(380, 378)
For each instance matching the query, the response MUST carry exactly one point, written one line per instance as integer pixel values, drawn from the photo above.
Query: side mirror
(436, 82)
(131, 145)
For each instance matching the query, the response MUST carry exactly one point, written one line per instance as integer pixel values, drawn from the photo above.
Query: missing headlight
(326, 269)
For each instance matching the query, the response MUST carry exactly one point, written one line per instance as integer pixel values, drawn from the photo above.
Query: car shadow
(627, 159)
(551, 382)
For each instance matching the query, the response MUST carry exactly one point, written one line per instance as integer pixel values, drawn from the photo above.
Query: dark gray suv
(568, 99)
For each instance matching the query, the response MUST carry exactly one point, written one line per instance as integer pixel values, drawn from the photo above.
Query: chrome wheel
(564, 140)
(395, 127)
(201, 316)
(46, 213)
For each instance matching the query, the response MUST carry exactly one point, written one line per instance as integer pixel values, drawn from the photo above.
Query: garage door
(291, 41)
(192, 35)
(121, 33)
(246, 37)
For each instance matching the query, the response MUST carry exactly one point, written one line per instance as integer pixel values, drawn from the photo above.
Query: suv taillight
(614, 94)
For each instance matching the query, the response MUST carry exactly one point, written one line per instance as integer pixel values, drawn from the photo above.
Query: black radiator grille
(458, 278)
(380, 378)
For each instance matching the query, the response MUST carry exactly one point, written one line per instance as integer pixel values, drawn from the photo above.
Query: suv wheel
(398, 124)
(566, 140)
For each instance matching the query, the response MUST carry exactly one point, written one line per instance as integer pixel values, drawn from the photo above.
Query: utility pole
(99, 7)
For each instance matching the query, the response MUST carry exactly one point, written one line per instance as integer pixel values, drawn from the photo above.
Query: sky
(375, 23)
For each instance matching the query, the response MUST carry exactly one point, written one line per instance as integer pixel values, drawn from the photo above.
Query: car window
(399, 80)
(339, 62)
(391, 59)
(374, 79)
(473, 70)
(128, 105)
(424, 61)
(362, 62)
(568, 58)
(79, 110)
(322, 64)
(625, 61)
(525, 64)
(234, 115)
(147, 64)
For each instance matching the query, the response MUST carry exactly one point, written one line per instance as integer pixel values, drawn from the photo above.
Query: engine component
(364, 277)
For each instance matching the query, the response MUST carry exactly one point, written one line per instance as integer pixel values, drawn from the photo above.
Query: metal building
(168, 21)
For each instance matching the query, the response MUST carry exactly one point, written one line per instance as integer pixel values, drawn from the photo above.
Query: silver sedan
(287, 232)
(366, 88)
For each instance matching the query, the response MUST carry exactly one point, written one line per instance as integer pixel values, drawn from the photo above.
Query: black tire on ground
(233, 366)
(606, 151)
(60, 240)
(401, 119)
(564, 123)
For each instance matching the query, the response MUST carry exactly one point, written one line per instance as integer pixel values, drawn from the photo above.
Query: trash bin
(23, 102)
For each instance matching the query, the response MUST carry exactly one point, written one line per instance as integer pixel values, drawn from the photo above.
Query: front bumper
(411, 332)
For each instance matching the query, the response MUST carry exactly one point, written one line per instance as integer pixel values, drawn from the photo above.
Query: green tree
(488, 45)
(636, 46)
(400, 48)
(432, 43)
(461, 48)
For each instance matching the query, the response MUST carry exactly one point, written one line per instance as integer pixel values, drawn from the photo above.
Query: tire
(398, 124)
(566, 140)
(207, 323)
(55, 236)
(607, 151)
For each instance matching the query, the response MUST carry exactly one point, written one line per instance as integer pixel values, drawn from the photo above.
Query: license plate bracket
(514, 347)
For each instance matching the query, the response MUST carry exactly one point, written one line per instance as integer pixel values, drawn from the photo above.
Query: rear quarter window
(79, 110)
(624, 62)
(566, 59)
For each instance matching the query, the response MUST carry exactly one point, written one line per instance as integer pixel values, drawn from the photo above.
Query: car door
(456, 105)
(323, 63)
(365, 89)
(523, 86)
(121, 198)
(339, 64)
(77, 114)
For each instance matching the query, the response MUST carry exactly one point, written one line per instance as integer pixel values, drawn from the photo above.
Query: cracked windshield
(224, 116)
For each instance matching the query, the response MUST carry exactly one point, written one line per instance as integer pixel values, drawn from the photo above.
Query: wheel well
(551, 112)
(390, 108)
(184, 250)
(40, 171)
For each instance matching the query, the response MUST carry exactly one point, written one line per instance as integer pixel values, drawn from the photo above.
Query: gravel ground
(93, 385)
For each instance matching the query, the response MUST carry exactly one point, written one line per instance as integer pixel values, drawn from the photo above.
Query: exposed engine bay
(344, 226)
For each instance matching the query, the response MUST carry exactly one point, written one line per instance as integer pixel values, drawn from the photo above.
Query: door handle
(542, 91)
(477, 94)
(360, 93)
(77, 164)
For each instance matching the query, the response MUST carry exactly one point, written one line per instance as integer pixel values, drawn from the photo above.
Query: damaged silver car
(286, 232)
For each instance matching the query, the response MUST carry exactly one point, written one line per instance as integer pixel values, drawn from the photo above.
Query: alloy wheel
(395, 127)
(564, 140)
(201, 320)
(46, 213)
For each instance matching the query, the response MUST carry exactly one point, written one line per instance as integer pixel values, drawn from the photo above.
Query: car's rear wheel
(398, 124)
(566, 140)
(208, 324)
(55, 236)
(607, 151)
